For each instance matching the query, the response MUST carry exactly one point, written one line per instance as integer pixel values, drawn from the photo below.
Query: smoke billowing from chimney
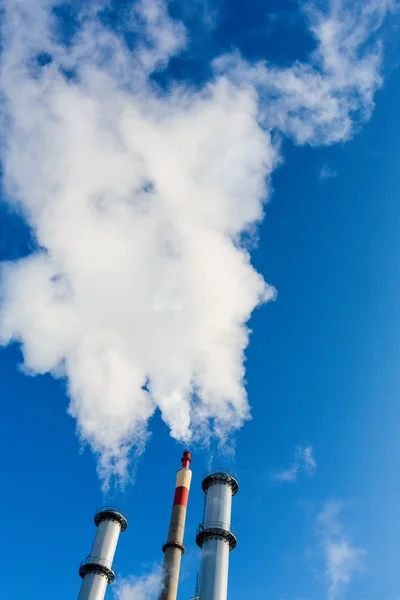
(140, 288)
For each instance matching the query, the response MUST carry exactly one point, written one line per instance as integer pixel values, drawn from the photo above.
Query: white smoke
(342, 559)
(304, 462)
(146, 587)
(140, 291)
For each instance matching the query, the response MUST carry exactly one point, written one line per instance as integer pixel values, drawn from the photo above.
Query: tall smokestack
(214, 536)
(96, 570)
(173, 548)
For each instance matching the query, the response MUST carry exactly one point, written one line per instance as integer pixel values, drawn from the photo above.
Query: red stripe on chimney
(181, 496)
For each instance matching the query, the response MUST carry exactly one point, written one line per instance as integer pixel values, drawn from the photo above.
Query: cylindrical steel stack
(96, 570)
(173, 548)
(214, 536)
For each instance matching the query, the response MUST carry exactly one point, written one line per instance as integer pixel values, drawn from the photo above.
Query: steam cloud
(304, 462)
(342, 559)
(140, 289)
(146, 587)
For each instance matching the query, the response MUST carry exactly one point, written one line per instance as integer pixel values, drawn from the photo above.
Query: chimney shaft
(173, 548)
(214, 536)
(96, 570)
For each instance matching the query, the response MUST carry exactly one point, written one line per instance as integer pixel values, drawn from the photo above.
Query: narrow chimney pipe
(173, 548)
(96, 570)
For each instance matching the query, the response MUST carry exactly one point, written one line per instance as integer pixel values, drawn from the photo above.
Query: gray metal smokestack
(96, 570)
(214, 536)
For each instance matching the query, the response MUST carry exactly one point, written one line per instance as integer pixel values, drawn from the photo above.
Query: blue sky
(321, 365)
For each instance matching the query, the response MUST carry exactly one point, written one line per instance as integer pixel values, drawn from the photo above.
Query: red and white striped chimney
(173, 548)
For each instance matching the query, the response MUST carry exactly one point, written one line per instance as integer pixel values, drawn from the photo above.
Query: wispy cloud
(342, 559)
(145, 587)
(304, 462)
(326, 99)
(327, 172)
(206, 12)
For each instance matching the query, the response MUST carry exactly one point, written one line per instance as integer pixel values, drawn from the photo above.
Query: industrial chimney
(214, 536)
(96, 570)
(173, 548)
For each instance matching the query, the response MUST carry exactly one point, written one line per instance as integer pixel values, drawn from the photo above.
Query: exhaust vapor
(140, 288)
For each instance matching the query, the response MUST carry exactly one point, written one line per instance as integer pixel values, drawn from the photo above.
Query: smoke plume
(139, 194)
(146, 587)
(342, 559)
